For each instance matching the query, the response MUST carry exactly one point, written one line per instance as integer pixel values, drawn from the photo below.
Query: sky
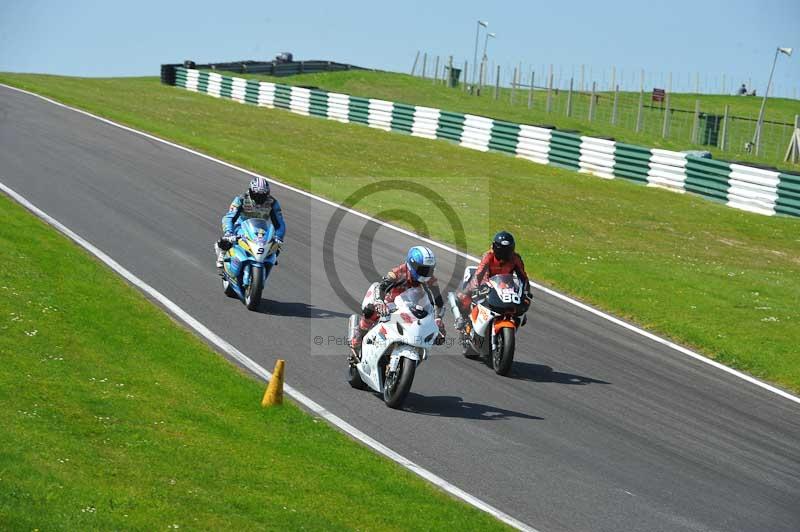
(734, 38)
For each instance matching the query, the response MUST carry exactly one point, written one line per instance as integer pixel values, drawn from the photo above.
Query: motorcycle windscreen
(504, 281)
(506, 293)
(415, 299)
(258, 229)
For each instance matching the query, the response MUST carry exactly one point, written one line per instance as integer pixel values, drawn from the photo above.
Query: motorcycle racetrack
(597, 428)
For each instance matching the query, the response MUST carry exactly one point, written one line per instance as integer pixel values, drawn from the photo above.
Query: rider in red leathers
(501, 259)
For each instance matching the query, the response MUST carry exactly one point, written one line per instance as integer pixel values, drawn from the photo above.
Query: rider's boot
(463, 301)
(354, 357)
(357, 336)
(220, 255)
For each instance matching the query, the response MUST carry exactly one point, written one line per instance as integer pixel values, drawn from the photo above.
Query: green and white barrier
(425, 121)
(533, 143)
(667, 170)
(597, 157)
(738, 186)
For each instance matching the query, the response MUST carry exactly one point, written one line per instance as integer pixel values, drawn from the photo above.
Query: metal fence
(695, 120)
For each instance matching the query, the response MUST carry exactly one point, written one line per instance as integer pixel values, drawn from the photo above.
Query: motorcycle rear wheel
(354, 378)
(397, 386)
(227, 288)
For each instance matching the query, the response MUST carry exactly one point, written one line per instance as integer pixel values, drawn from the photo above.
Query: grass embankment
(413, 90)
(724, 281)
(114, 417)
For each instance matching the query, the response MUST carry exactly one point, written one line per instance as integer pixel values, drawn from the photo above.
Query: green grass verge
(720, 280)
(413, 90)
(114, 417)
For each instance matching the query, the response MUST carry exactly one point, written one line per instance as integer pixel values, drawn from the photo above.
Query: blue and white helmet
(421, 262)
(258, 190)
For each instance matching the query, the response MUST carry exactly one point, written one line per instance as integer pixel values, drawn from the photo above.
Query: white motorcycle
(395, 346)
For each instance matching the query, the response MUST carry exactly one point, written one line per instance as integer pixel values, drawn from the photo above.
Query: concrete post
(614, 108)
(413, 68)
(591, 101)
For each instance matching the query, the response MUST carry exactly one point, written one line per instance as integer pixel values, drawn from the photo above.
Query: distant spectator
(742, 90)
(752, 93)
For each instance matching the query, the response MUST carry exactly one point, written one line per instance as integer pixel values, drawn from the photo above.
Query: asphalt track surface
(598, 428)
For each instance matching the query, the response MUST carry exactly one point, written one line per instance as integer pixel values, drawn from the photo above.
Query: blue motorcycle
(249, 261)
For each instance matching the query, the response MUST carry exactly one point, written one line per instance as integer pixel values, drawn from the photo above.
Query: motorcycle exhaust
(352, 327)
(451, 298)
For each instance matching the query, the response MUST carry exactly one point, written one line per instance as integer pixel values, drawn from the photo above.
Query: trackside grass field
(113, 417)
(720, 280)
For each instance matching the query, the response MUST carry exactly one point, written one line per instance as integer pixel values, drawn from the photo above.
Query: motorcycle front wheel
(503, 356)
(252, 294)
(398, 384)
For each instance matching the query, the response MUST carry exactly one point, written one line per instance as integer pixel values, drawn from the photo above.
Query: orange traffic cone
(274, 393)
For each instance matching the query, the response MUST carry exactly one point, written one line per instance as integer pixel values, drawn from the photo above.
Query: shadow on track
(541, 373)
(451, 406)
(297, 310)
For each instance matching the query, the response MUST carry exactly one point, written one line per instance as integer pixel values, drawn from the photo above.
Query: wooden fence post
(614, 108)
(513, 85)
(569, 97)
(665, 128)
(497, 84)
(723, 141)
(640, 110)
(414, 68)
(530, 91)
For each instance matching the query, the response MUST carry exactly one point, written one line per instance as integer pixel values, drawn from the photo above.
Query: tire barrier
(744, 187)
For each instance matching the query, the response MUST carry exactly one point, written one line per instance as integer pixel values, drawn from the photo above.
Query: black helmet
(503, 245)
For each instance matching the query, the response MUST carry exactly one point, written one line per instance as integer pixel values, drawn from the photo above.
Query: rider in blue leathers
(256, 203)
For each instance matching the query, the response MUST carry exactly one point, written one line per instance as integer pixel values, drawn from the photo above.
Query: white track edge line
(550, 291)
(258, 370)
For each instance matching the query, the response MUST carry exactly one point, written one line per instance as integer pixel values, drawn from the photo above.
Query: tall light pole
(757, 134)
(483, 60)
(475, 57)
